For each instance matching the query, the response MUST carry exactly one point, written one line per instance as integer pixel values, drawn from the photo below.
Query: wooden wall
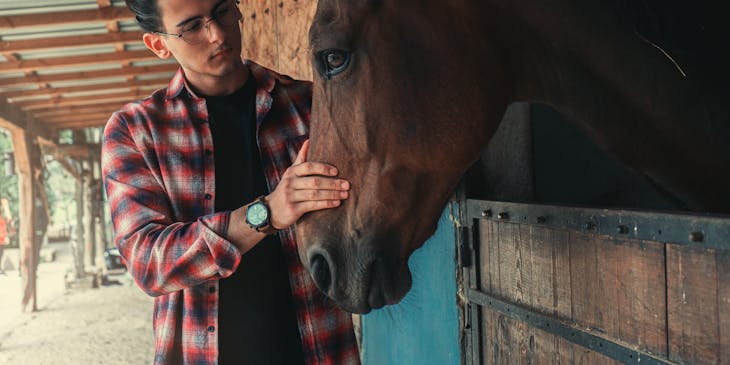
(670, 300)
(276, 34)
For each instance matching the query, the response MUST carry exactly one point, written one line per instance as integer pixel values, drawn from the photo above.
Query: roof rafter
(56, 91)
(70, 41)
(66, 17)
(60, 120)
(12, 116)
(105, 98)
(88, 75)
(85, 60)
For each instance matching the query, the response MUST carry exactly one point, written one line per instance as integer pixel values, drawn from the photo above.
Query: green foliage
(58, 183)
(60, 187)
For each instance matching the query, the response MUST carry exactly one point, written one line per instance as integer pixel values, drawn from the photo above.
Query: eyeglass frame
(206, 25)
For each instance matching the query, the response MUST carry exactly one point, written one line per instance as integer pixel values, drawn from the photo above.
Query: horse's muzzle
(358, 281)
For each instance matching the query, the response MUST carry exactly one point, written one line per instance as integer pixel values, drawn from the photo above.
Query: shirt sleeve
(162, 255)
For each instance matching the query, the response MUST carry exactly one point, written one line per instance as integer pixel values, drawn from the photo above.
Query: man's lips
(221, 52)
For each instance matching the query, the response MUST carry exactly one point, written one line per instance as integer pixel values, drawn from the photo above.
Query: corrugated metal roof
(56, 53)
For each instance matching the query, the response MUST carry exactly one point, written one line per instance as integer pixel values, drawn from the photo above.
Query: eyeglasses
(192, 33)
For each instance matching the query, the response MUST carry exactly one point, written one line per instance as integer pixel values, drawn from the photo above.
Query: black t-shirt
(256, 318)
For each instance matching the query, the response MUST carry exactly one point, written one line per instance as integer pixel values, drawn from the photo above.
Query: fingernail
(343, 194)
(333, 171)
(345, 185)
(335, 203)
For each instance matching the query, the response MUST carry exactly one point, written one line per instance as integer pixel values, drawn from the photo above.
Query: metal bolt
(541, 219)
(696, 236)
(487, 213)
(503, 215)
(622, 229)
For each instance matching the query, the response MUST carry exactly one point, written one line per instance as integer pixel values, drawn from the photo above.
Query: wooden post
(101, 219)
(87, 215)
(27, 154)
(96, 207)
(77, 241)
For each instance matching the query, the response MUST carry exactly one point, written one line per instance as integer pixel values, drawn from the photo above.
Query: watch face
(257, 214)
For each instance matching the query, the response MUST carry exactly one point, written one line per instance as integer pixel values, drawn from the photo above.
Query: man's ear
(156, 44)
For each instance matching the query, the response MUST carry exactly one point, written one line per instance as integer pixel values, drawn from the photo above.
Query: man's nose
(214, 31)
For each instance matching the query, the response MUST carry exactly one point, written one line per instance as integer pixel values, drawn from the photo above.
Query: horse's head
(398, 112)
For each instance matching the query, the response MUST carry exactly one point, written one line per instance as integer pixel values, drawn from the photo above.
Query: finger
(319, 182)
(314, 168)
(300, 196)
(312, 205)
(302, 155)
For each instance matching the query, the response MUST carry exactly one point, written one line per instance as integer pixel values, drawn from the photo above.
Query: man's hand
(305, 187)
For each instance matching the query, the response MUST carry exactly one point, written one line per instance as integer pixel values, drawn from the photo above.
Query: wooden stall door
(556, 285)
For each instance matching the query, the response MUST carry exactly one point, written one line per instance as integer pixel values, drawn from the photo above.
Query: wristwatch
(258, 216)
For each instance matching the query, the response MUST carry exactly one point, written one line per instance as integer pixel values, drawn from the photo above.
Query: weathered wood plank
(509, 341)
(693, 311)
(586, 288)
(551, 271)
(514, 264)
(259, 32)
(293, 19)
(641, 295)
(489, 256)
(723, 303)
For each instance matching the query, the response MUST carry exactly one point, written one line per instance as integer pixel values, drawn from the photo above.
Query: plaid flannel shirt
(157, 163)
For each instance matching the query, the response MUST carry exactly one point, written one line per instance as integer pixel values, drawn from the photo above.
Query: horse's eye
(334, 61)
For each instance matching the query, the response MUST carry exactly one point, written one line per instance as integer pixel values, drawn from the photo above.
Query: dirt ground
(109, 325)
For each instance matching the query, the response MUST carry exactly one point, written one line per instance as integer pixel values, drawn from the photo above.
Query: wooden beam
(27, 162)
(76, 150)
(128, 96)
(13, 117)
(60, 120)
(112, 27)
(83, 109)
(9, 56)
(79, 108)
(80, 100)
(69, 41)
(56, 91)
(79, 124)
(85, 60)
(66, 17)
(88, 75)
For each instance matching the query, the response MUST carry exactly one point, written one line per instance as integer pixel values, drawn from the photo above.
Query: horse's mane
(692, 33)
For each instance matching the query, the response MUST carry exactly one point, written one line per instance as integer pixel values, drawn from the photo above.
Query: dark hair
(146, 13)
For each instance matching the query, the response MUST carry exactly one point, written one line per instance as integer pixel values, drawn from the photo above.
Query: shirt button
(211, 329)
(211, 289)
(208, 196)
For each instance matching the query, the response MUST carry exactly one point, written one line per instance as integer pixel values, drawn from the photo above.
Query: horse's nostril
(321, 272)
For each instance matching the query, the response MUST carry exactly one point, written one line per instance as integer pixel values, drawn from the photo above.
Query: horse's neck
(626, 94)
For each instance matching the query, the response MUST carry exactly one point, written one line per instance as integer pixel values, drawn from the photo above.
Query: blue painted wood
(424, 328)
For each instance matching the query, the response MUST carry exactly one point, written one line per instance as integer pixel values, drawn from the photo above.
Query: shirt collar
(264, 80)
(177, 84)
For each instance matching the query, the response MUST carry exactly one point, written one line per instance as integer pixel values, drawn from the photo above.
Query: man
(183, 170)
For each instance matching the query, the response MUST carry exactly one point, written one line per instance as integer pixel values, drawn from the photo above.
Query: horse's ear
(157, 45)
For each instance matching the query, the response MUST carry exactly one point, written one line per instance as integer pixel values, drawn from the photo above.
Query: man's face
(218, 53)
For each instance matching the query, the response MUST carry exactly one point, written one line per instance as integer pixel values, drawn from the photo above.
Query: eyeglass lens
(197, 31)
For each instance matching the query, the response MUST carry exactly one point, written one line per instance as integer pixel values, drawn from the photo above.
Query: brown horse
(407, 93)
